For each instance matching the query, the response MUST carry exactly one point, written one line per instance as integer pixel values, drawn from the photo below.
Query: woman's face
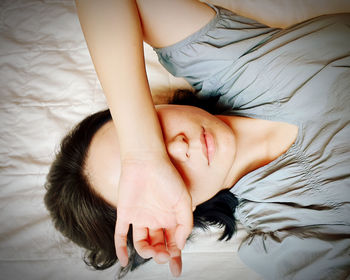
(200, 145)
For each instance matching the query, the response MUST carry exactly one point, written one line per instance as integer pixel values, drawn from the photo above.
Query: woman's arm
(114, 37)
(113, 34)
(112, 30)
(166, 22)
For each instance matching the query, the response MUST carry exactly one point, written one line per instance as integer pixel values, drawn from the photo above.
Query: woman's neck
(258, 142)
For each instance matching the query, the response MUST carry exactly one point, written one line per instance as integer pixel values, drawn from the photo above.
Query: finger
(158, 243)
(175, 266)
(175, 263)
(120, 240)
(184, 217)
(171, 242)
(141, 242)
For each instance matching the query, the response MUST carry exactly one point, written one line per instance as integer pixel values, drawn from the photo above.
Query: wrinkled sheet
(48, 84)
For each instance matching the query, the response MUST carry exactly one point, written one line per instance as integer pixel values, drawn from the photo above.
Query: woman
(82, 185)
(284, 102)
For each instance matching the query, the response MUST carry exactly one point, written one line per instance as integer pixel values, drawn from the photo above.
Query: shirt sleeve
(201, 57)
(314, 253)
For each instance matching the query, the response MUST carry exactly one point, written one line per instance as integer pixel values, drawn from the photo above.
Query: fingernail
(175, 267)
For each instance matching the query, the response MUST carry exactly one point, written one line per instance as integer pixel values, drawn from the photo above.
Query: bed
(48, 84)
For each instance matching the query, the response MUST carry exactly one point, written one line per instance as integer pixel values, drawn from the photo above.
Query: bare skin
(241, 146)
(114, 31)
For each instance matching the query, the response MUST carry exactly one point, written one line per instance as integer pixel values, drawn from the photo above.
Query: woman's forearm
(113, 33)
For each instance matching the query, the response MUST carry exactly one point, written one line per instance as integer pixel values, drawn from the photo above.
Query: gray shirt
(297, 208)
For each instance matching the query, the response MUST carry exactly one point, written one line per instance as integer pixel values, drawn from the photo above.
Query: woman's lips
(208, 145)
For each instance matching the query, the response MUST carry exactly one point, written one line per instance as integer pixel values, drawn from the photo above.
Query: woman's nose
(178, 147)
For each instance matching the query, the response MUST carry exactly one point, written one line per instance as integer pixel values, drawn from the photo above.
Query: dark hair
(85, 218)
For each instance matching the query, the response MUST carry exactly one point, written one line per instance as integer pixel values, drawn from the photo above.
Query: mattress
(48, 84)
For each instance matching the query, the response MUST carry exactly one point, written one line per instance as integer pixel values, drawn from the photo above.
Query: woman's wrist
(144, 155)
(140, 134)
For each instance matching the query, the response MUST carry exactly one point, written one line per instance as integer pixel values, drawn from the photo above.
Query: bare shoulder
(165, 22)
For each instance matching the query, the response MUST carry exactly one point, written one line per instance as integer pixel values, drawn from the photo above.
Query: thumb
(184, 218)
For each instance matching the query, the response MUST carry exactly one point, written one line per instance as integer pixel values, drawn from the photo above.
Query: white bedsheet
(48, 84)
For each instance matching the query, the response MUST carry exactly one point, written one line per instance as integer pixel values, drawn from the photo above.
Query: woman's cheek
(196, 178)
(197, 183)
(183, 171)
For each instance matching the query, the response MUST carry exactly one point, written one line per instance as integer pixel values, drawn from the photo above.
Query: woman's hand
(154, 199)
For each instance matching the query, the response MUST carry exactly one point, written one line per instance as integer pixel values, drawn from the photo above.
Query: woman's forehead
(103, 165)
